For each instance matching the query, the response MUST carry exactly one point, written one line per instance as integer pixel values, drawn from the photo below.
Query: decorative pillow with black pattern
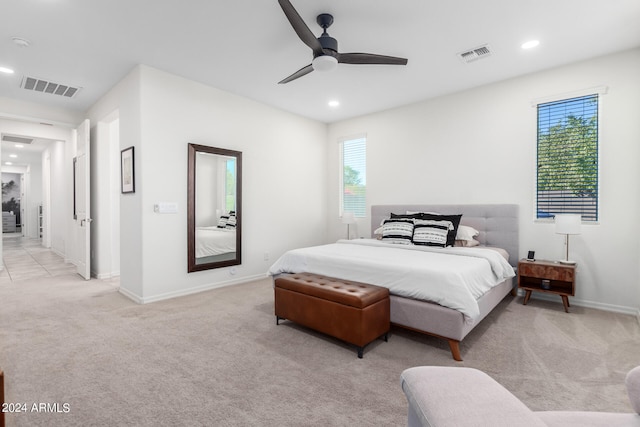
(231, 222)
(431, 232)
(222, 221)
(397, 230)
(455, 221)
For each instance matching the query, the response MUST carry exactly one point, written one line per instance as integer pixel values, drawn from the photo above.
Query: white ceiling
(247, 46)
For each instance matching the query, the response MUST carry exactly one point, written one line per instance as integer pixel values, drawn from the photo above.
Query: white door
(82, 200)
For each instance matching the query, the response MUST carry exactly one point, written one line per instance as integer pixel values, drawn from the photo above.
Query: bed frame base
(454, 345)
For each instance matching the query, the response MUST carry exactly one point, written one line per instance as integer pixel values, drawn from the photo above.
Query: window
(567, 178)
(353, 171)
(230, 185)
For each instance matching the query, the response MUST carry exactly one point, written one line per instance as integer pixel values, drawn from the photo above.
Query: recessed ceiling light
(6, 70)
(19, 145)
(334, 103)
(8, 163)
(13, 156)
(530, 44)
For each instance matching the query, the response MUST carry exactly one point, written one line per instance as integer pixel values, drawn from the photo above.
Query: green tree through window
(567, 178)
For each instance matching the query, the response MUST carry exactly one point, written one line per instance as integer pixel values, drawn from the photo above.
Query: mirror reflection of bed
(214, 200)
(214, 244)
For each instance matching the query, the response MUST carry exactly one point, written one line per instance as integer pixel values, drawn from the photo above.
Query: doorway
(39, 154)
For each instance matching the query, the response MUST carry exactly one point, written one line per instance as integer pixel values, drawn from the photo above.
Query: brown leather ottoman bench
(354, 312)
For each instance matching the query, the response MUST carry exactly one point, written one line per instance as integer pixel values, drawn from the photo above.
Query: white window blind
(567, 177)
(354, 177)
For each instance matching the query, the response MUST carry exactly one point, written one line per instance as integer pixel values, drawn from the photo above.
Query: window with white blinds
(567, 178)
(353, 171)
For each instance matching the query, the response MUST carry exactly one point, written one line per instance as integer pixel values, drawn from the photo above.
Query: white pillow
(467, 243)
(466, 233)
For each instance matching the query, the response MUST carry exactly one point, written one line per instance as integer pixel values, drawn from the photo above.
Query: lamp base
(567, 261)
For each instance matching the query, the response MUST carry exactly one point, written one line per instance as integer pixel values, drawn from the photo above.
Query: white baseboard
(105, 276)
(585, 303)
(195, 290)
(133, 297)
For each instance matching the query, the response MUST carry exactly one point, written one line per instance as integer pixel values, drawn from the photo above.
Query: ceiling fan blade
(370, 58)
(301, 72)
(300, 27)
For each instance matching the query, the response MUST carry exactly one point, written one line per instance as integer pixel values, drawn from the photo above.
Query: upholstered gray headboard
(497, 224)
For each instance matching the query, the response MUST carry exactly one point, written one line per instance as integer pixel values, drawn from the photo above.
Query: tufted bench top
(354, 294)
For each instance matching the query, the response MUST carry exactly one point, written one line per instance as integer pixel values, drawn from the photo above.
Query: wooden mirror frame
(193, 149)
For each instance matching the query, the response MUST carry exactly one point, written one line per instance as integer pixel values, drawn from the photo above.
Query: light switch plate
(165, 208)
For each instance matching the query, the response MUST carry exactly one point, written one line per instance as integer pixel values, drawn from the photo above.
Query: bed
(215, 244)
(497, 226)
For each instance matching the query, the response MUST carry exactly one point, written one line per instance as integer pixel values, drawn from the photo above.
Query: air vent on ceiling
(44, 86)
(475, 54)
(17, 139)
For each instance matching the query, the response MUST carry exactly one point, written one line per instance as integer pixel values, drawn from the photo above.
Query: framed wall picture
(127, 172)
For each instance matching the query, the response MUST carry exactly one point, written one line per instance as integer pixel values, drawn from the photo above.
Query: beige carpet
(218, 359)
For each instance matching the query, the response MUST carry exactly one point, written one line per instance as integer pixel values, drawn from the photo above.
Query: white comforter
(214, 241)
(452, 277)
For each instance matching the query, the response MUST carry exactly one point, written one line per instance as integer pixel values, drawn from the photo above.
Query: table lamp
(348, 218)
(568, 224)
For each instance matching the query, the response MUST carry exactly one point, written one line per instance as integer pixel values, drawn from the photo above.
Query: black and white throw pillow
(431, 232)
(398, 230)
(231, 222)
(455, 221)
(222, 221)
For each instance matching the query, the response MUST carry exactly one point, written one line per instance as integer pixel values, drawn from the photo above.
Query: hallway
(26, 259)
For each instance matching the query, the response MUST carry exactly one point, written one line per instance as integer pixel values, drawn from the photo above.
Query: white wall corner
(133, 297)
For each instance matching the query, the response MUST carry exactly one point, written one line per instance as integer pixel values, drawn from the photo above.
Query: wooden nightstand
(561, 277)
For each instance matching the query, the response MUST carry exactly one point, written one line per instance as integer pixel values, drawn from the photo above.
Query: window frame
(341, 204)
(598, 91)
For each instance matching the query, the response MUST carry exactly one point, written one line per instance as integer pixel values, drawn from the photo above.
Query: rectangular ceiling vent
(475, 54)
(44, 86)
(17, 139)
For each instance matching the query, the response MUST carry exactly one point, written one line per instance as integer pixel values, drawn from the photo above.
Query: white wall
(479, 146)
(34, 200)
(125, 99)
(22, 110)
(284, 179)
(60, 209)
(208, 174)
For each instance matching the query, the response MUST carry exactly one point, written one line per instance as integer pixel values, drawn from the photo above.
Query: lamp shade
(568, 223)
(348, 218)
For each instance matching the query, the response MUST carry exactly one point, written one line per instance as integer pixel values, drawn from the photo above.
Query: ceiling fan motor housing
(328, 42)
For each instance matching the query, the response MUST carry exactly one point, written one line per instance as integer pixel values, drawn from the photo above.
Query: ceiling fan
(325, 48)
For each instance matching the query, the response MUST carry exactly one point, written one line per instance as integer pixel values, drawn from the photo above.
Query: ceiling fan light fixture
(324, 63)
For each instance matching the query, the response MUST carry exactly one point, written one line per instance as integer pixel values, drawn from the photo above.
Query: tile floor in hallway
(26, 259)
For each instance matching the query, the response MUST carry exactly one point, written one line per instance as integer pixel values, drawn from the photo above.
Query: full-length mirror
(214, 209)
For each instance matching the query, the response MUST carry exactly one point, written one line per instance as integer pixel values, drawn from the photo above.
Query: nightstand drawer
(555, 272)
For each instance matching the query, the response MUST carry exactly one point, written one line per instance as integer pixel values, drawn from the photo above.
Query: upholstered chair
(445, 396)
